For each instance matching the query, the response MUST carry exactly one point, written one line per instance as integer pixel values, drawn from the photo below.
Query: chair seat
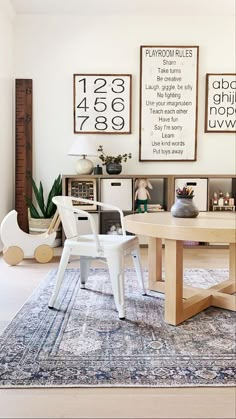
(108, 243)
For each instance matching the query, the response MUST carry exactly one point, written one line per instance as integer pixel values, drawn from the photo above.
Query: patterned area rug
(85, 344)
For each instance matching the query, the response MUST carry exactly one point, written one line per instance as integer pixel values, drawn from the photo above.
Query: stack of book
(154, 207)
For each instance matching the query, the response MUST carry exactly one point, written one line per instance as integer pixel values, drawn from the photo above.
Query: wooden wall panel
(23, 147)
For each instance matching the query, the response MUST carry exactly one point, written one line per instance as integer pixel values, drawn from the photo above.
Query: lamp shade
(83, 146)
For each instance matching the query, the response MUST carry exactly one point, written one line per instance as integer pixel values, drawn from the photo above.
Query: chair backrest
(67, 209)
(67, 203)
(64, 206)
(67, 212)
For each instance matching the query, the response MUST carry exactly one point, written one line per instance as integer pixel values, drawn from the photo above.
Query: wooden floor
(16, 285)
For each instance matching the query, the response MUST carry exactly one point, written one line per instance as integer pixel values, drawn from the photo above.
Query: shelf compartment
(110, 219)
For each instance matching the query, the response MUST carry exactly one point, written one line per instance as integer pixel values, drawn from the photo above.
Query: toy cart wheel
(43, 253)
(13, 255)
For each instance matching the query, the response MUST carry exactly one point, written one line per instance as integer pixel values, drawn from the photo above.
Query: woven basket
(41, 225)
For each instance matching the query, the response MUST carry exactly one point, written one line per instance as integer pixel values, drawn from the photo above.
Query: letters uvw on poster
(168, 102)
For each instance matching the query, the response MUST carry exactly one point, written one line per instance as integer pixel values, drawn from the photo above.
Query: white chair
(111, 248)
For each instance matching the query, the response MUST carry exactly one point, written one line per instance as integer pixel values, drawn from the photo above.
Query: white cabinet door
(117, 192)
(200, 191)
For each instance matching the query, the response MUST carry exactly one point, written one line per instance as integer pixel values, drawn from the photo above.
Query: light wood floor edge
(171, 403)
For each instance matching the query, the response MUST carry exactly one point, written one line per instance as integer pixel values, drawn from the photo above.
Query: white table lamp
(83, 146)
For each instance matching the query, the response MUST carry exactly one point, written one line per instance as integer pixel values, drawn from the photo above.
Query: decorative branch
(112, 159)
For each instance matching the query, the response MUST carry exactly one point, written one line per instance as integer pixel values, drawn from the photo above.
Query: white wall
(50, 49)
(6, 109)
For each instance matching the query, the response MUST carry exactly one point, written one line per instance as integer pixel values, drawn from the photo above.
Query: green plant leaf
(49, 210)
(55, 191)
(39, 196)
(41, 193)
(33, 211)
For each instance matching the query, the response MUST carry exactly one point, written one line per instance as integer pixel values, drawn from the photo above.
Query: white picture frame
(220, 109)
(168, 103)
(102, 103)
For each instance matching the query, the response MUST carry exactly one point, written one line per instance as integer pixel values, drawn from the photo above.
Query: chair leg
(116, 271)
(60, 275)
(137, 264)
(85, 264)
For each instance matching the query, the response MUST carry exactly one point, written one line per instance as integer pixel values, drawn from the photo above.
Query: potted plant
(113, 163)
(41, 213)
(184, 206)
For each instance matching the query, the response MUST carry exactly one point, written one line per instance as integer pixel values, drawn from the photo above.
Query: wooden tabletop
(208, 226)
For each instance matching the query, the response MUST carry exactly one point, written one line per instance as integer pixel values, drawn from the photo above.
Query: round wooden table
(181, 302)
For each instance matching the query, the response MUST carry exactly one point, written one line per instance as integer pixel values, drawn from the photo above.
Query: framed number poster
(220, 111)
(168, 103)
(102, 103)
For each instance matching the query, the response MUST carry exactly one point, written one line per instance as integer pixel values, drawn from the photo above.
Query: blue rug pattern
(84, 343)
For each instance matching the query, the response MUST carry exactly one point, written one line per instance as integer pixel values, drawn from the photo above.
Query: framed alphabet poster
(102, 103)
(220, 111)
(168, 103)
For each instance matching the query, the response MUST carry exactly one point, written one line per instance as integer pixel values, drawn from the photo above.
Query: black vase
(113, 168)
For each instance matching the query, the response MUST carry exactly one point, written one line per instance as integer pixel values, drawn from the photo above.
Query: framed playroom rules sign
(220, 112)
(102, 103)
(168, 103)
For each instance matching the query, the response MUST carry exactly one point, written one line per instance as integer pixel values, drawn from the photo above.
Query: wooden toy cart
(19, 245)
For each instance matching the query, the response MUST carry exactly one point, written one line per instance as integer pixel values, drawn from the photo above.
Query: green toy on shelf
(142, 194)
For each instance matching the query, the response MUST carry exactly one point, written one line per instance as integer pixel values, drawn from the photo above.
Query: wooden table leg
(220, 292)
(154, 262)
(232, 262)
(174, 281)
